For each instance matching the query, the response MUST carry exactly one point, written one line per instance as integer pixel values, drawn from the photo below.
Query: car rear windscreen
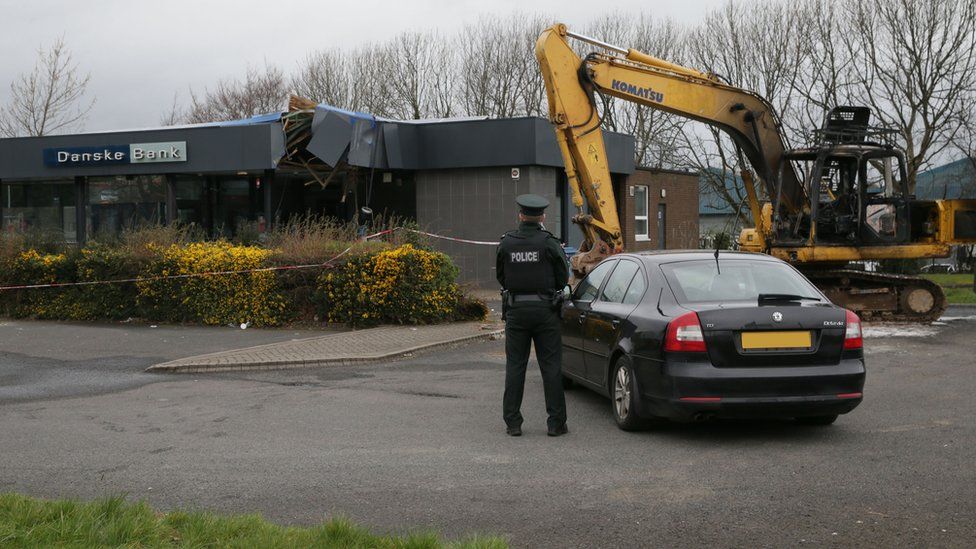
(734, 280)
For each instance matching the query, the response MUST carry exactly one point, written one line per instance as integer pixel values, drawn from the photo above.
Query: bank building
(455, 177)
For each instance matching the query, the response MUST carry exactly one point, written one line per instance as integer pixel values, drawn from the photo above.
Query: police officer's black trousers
(524, 325)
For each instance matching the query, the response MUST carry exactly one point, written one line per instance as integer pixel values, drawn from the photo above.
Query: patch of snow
(957, 318)
(899, 330)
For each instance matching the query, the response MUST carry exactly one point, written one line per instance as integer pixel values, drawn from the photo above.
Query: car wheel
(623, 395)
(568, 383)
(817, 420)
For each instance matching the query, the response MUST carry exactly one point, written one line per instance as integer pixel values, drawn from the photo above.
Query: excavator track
(879, 296)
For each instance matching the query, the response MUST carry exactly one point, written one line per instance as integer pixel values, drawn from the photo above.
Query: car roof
(670, 256)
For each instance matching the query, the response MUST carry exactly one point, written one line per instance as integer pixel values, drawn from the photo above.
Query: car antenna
(735, 225)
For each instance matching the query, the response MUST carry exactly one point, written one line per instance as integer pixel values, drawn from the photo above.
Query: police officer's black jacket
(530, 259)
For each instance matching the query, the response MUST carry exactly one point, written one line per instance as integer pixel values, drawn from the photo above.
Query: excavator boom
(571, 83)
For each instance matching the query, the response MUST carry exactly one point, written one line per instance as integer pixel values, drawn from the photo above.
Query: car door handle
(582, 317)
(615, 323)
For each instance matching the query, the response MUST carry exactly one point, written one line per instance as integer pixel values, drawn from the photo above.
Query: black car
(694, 336)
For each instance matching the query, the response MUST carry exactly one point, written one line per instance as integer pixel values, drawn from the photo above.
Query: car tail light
(853, 339)
(685, 335)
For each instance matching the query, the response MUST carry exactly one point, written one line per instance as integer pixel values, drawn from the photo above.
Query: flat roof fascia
(210, 149)
(527, 141)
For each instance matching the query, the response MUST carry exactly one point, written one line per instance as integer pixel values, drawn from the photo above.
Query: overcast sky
(140, 53)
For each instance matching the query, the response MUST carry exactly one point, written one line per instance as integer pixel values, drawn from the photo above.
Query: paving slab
(347, 348)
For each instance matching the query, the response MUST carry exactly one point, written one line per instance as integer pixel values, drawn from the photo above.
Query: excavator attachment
(587, 258)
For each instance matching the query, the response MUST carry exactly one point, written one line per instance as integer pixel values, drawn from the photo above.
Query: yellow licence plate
(776, 340)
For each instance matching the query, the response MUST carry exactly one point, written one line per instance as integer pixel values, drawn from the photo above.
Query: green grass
(958, 286)
(960, 295)
(112, 522)
(951, 280)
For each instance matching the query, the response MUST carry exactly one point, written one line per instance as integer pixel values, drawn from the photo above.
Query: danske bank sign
(135, 153)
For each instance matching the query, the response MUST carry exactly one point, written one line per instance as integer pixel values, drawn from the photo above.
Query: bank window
(237, 205)
(190, 199)
(640, 213)
(39, 207)
(124, 202)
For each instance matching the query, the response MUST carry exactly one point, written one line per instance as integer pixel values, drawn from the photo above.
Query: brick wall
(681, 204)
(479, 204)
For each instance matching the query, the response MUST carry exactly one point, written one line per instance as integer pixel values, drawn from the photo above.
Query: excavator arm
(571, 83)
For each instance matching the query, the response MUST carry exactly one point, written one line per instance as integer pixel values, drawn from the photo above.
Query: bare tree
(828, 70)
(657, 134)
(917, 68)
(176, 113)
(323, 76)
(420, 76)
(498, 71)
(370, 86)
(442, 90)
(257, 93)
(755, 47)
(48, 100)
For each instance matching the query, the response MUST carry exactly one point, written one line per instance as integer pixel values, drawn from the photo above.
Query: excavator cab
(885, 217)
(855, 183)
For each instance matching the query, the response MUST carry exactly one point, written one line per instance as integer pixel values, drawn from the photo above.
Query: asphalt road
(419, 443)
(40, 360)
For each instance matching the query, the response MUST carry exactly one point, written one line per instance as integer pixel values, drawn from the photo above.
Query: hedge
(252, 297)
(405, 285)
(402, 285)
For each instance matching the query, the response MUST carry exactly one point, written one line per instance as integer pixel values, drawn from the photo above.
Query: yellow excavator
(842, 199)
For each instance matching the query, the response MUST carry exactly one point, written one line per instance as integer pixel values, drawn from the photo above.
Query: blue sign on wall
(86, 156)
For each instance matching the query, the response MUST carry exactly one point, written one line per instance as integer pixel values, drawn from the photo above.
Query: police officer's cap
(532, 204)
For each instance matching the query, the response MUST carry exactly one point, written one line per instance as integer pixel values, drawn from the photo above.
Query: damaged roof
(372, 142)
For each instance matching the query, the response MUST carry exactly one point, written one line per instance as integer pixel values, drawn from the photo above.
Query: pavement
(345, 348)
(418, 442)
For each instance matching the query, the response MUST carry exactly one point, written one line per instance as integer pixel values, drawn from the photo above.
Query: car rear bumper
(698, 390)
(823, 405)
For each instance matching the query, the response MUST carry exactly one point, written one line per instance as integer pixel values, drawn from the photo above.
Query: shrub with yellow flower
(404, 285)
(195, 296)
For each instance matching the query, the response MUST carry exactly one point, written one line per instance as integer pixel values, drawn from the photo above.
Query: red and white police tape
(325, 264)
(451, 238)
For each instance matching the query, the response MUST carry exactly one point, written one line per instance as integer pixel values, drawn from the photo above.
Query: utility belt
(552, 298)
(522, 298)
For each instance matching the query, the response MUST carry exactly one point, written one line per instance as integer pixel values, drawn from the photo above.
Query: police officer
(532, 269)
